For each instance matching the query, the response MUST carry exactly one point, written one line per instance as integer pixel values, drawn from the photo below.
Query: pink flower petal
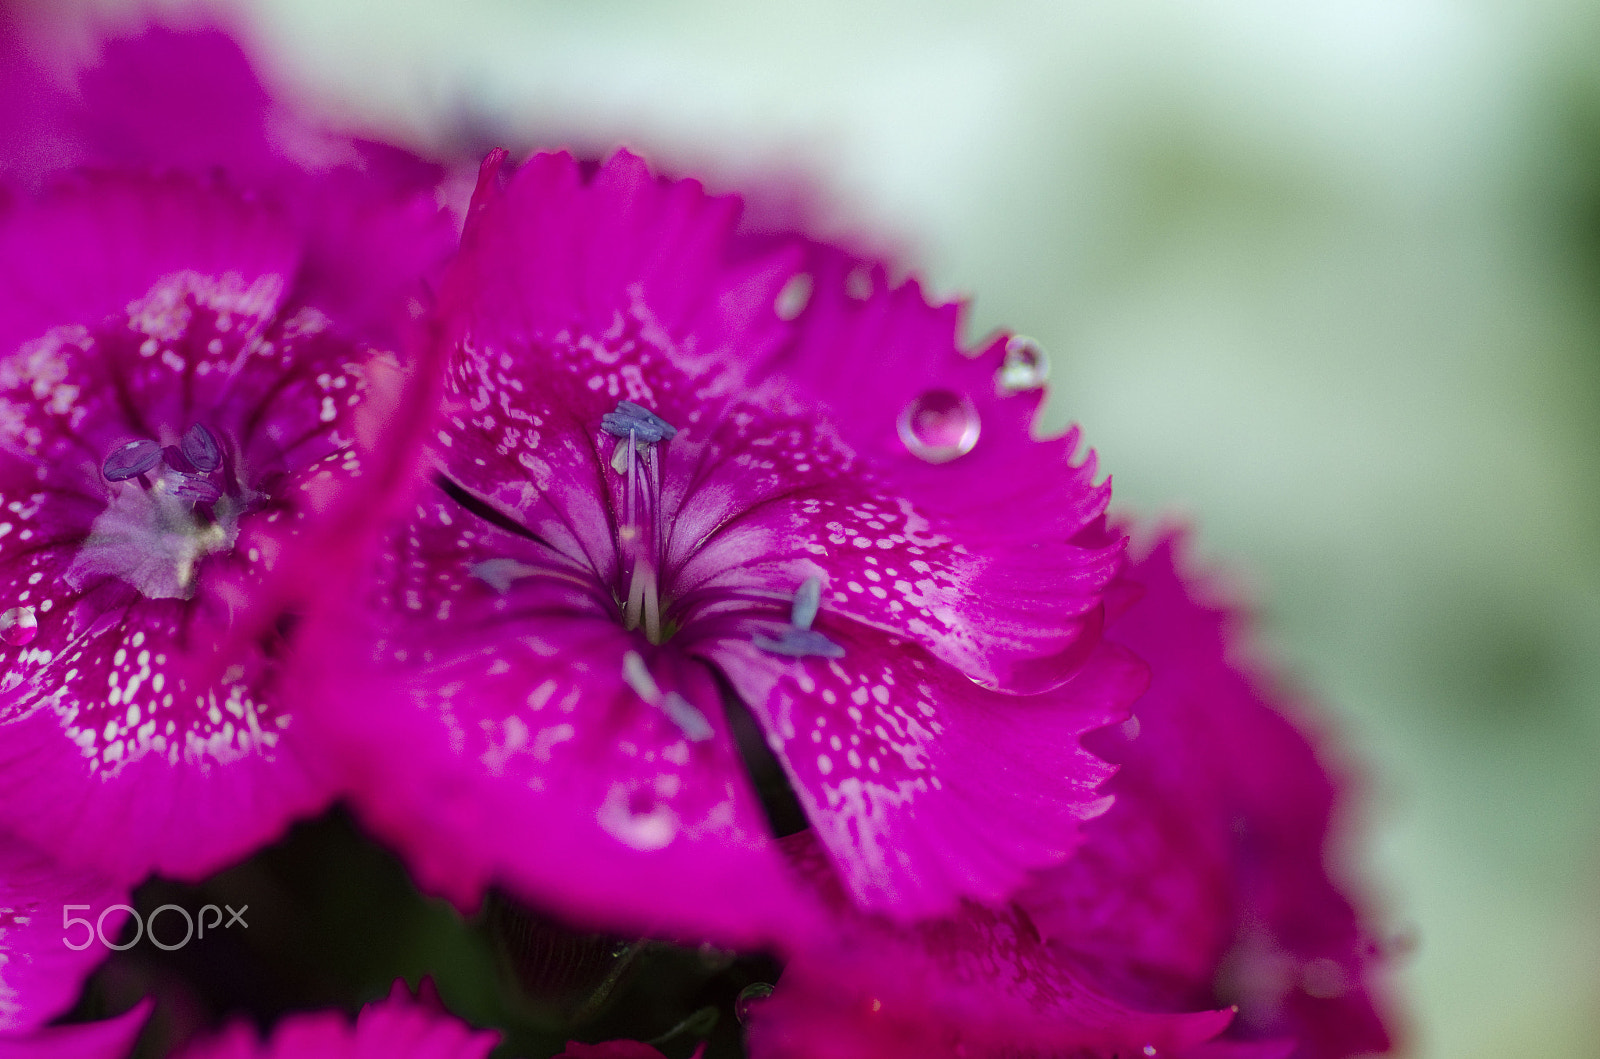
(111, 1039)
(978, 984)
(923, 786)
(1205, 882)
(134, 732)
(43, 958)
(526, 757)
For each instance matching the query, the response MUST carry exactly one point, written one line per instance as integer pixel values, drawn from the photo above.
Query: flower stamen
(683, 713)
(637, 428)
(799, 639)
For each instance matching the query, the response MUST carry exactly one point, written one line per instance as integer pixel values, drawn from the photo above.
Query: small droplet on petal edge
(1026, 366)
(18, 626)
(939, 426)
(749, 997)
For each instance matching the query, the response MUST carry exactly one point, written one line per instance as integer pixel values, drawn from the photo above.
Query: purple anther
(193, 487)
(201, 449)
(131, 460)
(646, 427)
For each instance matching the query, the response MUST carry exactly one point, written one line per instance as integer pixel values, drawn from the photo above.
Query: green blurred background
(1322, 278)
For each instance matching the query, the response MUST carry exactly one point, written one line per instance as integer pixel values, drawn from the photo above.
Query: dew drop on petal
(749, 997)
(18, 626)
(938, 426)
(131, 460)
(1026, 366)
(637, 820)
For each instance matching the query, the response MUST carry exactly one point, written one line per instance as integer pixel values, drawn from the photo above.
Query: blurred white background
(1324, 277)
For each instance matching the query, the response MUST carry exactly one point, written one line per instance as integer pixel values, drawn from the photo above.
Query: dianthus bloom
(183, 366)
(399, 1027)
(676, 468)
(1202, 888)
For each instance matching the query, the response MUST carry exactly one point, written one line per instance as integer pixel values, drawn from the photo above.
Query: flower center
(171, 506)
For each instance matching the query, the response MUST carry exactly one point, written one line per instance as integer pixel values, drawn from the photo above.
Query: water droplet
(939, 426)
(636, 819)
(795, 296)
(1026, 366)
(1149, 1049)
(131, 460)
(18, 626)
(749, 997)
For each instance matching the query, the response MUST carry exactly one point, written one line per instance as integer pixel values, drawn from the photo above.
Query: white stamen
(652, 606)
(635, 608)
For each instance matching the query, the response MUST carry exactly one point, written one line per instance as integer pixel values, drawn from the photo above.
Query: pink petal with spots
(1205, 883)
(514, 748)
(43, 960)
(365, 214)
(573, 296)
(398, 1027)
(923, 786)
(546, 254)
(147, 309)
(868, 352)
(110, 1039)
(979, 984)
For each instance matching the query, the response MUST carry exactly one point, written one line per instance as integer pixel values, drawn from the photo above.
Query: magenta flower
(398, 1027)
(182, 368)
(657, 490)
(1205, 884)
(981, 983)
(1202, 888)
(174, 410)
